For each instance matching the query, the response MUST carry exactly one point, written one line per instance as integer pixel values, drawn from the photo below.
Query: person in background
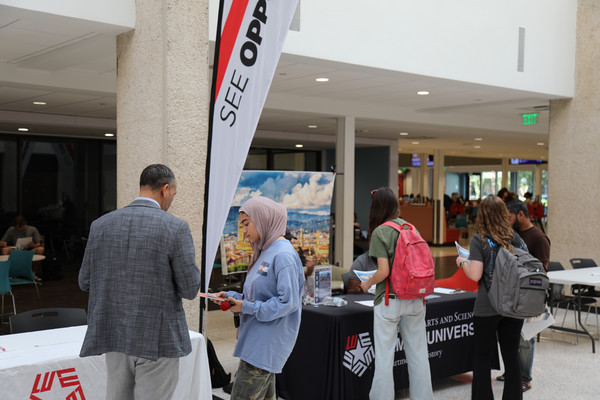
(538, 245)
(505, 195)
(139, 263)
(404, 316)
(21, 230)
(271, 302)
(493, 229)
(362, 263)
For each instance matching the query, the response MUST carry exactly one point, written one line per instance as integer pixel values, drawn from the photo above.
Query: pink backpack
(413, 272)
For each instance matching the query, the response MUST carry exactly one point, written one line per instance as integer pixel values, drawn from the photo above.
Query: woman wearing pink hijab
(270, 305)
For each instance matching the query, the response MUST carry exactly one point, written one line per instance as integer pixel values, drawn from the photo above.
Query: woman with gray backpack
(493, 231)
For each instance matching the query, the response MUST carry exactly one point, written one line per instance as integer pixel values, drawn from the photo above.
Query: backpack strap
(387, 291)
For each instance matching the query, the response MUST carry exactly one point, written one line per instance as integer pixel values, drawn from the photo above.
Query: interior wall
(114, 12)
(464, 40)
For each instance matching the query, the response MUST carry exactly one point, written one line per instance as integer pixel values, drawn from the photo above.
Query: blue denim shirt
(272, 306)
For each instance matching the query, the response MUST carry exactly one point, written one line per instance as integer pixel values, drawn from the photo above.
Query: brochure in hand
(464, 253)
(365, 276)
(211, 296)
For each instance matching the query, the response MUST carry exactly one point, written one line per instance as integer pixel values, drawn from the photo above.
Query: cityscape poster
(307, 197)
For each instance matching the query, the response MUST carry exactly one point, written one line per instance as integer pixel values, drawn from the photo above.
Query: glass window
(288, 162)
(491, 182)
(474, 186)
(59, 186)
(9, 190)
(525, 183)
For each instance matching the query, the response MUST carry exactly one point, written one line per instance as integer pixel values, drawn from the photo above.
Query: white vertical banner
(250, 37)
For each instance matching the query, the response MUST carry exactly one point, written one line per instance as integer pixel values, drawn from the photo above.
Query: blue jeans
(526, 349)
(408, 317)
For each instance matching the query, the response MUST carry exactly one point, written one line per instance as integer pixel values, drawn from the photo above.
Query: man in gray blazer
(138, 264)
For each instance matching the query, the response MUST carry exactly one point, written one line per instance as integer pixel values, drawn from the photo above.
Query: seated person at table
(362, 263)
(18, 231)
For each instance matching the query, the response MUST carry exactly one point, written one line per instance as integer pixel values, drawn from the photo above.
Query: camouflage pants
(252, 383)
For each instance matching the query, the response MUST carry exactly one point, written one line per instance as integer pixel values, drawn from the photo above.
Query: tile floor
(564, 365)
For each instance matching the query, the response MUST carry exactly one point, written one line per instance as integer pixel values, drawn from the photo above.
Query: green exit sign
(530, 119)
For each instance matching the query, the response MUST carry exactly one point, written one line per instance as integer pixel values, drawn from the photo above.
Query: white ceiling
(71, 67)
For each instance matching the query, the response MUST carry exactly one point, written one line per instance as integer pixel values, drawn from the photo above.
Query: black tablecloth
(334, 353)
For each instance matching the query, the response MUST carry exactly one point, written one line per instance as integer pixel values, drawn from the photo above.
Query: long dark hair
(384, 207)
(493, 221)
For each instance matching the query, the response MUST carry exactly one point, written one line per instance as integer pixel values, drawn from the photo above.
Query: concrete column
(538, 181)
(344, 192)
(393, 181)
(423, 175)
(505, 181)
(162, 107)
(574, 164)
(439, 184)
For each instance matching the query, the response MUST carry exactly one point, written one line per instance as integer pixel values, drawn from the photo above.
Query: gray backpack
(519, 284)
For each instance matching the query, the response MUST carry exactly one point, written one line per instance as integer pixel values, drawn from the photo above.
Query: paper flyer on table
(462, 252)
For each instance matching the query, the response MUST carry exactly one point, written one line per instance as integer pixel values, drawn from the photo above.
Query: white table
(46, 365)
(579, 276)
(36, 257)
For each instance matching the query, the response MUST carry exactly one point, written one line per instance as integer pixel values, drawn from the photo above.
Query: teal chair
(461, 221)
(5, 285)
(20, 271)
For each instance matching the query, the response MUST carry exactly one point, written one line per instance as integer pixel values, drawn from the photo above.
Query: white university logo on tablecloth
(359, 353)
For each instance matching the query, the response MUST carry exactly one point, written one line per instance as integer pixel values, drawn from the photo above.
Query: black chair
(556, 295)
(47, 318)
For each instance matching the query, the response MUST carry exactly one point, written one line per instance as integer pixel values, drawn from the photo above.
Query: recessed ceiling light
(477, 147)
(422, 92)
(415, 142)
(109, 134)
(39, 103)
(478, 139)
(403, 133)
(322, 79)
(313, 126)
(540, 144)
(299, 145)
(23, 129)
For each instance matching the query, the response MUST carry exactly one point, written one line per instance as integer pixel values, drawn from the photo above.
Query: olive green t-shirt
(383, 244)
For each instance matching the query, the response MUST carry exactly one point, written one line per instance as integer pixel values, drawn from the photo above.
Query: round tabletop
(36, 257)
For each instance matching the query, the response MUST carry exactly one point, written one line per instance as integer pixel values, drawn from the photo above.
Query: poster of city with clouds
(307, 197)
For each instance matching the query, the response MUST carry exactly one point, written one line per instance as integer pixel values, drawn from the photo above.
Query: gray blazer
(138, 264)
